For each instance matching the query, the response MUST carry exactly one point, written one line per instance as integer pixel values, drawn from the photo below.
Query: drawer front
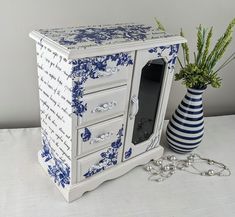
(99, 161)
(95, 137)
(103, 105)
(102, 72)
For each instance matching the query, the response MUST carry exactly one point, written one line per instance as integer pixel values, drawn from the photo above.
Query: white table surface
(26, 191)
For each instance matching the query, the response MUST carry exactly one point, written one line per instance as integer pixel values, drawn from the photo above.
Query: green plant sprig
(201, 73)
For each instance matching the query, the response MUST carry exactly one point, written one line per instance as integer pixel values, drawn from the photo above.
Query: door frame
(168, 54)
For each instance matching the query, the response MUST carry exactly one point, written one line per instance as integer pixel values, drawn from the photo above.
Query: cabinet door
(149, 95)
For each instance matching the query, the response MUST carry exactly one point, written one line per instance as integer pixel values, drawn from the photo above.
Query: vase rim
(196, 88)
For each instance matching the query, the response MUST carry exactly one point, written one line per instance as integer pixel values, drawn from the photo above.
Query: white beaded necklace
(166, 166)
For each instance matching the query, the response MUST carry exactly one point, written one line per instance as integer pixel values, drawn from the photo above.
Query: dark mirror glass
(149, 95)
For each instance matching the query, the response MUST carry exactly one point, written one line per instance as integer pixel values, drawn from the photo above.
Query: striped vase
(186, 127)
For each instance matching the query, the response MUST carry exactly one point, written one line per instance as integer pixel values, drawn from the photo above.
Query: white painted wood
(93, 159)
(107, 129)
(77, 190)
(49, 44)
(90, 94)
(103, 105)
(104, 50)
(153, 37)
(112, 77)
(142, 58)
(74, 149)
(55, 101)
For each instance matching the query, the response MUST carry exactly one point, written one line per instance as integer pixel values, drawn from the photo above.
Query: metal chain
(166, 166)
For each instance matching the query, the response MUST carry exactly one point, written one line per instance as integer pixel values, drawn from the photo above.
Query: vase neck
(194, 91)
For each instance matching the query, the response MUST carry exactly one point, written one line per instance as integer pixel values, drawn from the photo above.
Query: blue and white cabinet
(103, 94)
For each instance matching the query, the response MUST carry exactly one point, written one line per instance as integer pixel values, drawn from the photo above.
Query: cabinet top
(85, 41)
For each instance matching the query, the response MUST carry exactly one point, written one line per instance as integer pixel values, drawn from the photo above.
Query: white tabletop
(26, 191)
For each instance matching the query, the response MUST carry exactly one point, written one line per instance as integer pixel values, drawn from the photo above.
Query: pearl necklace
(166, 166)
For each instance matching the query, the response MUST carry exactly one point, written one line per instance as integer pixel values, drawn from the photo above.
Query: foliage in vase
(203, 70)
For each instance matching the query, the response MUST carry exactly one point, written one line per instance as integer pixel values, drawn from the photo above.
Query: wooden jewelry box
(103, 94)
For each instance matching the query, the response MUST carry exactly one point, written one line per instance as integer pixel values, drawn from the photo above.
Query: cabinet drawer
(103, 105)
(99, 161)
(97, 136)
(106, 71)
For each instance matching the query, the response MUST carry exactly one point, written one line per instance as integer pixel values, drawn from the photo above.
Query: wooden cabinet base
(77, 190)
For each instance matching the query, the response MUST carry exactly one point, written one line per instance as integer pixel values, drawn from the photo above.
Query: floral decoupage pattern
(57, 169)
(108, 158)
(88, 68)
(128, 153)
(86, 135)
(170, 51)
(83, 37)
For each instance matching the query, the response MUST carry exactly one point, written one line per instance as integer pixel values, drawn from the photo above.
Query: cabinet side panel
(55, 96)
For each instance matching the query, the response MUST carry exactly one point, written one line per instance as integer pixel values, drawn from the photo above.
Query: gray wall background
(19, 105)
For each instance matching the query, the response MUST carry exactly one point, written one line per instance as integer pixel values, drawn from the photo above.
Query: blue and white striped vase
(186, 127)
